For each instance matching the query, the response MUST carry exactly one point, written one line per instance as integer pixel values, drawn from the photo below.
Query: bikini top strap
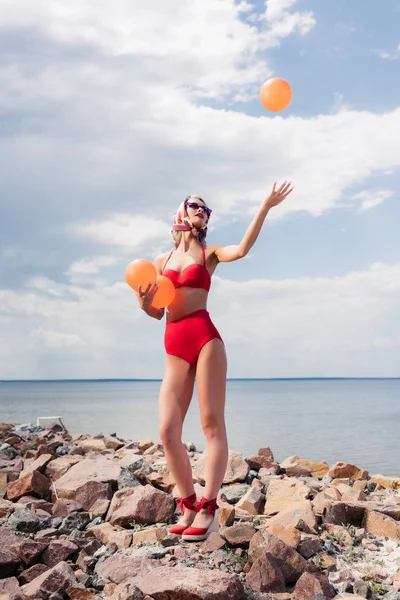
(165, 264)
(204, 256)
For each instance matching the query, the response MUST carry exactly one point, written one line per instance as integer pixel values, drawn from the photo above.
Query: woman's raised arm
(230, 253)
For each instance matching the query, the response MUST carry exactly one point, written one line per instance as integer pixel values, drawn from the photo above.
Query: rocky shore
(86, 518)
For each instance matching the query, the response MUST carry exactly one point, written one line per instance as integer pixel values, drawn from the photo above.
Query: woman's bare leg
(211, 388)
(175, 396)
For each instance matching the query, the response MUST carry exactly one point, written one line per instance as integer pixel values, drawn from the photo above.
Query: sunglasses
(196, 206)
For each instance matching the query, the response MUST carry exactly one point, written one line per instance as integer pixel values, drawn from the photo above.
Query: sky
(112, 112)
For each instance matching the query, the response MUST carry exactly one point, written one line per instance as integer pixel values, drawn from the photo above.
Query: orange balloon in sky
(275, 94)
(165, 293)
(141, 272)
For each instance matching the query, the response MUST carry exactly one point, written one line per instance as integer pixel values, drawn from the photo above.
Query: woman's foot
(205, 522)
(188, 508)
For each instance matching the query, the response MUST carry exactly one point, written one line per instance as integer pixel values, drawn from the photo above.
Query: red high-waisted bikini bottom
(185, 337)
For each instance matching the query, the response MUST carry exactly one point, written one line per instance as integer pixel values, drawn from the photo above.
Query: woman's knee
(170, 435)
(213, 427)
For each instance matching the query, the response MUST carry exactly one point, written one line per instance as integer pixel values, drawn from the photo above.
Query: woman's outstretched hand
(278, 195)
(146, 297)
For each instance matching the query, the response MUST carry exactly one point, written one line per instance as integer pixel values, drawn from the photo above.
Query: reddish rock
(295, 516)
(348, 471)
(37, 465)
(98, 468)
(239, 535)
(144, 444)
(57, 579)
(79, 592)
(108, 535)
(298, 470)
(29, 550)
(186, 583)
(344, 513)
(58, 551)
(311, 584)
(89, 492)
(287, 533)
(265, 575)
(142, 504)
(33, 483)
(99, 508)
(267, 452)
(237, 469)
(226, 513)
(9, 560)
(282, 494)
(389, 483)
(120, 567)
(31, 573)
(295, 467)
(37, 503)
(113, 442)
(253, 501)
(260, 462)
(9, 586)
(213, 542)
(12, 468)
(162, 481)
(381, 525)
(57, 467)
(63, 507)
(324, 500)
(6, 507)
(309, 546)
(92, 444)
(291, 563)
(149, 535)
(3, 484)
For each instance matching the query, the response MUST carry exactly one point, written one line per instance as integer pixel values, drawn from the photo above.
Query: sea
(351, 420)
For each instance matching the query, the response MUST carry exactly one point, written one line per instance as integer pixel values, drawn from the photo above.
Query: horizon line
(62, 380)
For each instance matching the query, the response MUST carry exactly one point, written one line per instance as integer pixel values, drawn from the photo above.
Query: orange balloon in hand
(140, 272)
(275, 94)
(165, 293)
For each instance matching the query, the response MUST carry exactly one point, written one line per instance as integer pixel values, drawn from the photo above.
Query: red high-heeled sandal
(197, 534)
(182, 502)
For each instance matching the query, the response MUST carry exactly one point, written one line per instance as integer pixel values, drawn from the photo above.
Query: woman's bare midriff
(186, 301)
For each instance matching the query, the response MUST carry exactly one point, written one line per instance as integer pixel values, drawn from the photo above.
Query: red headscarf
(183, 223)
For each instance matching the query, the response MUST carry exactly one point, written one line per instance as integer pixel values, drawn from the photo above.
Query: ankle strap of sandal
(188, 502)
(210, 505)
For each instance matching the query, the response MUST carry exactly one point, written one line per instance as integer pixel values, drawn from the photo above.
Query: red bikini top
(195, 275)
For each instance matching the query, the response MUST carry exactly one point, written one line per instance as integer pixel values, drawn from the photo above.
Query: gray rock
(76, 520)
(392, 595)
(150, 551)
(23, 519)
(56, 522)
(361, 588)
(234, 493)
(96, 521)
(127, 479)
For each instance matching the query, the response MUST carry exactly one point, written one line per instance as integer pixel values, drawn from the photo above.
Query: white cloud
(53, 340)
(339, 326)
(88, 266)
(204, 40)
(387, 55)
(371, 198)
(124, 230)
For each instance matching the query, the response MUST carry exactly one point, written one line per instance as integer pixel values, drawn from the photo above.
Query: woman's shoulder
(160, 259)
(212, 249)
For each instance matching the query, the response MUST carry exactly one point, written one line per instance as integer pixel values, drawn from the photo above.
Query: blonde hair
(182, 223)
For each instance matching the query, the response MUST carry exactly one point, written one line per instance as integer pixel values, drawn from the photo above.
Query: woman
(196, 350)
